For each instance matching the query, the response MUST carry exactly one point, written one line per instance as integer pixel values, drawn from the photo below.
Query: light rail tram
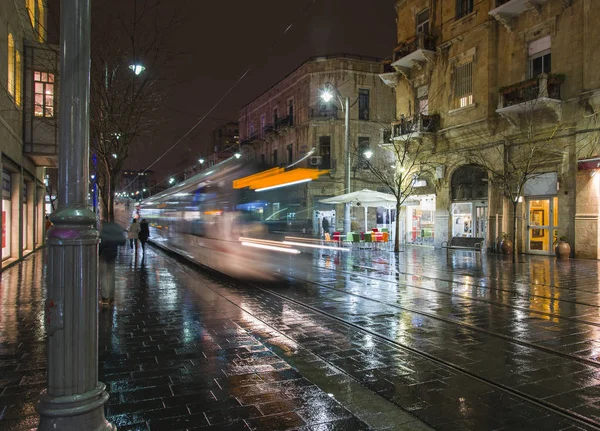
(236, 217)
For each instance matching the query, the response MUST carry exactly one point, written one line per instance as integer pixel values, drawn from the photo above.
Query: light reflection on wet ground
(354, 341)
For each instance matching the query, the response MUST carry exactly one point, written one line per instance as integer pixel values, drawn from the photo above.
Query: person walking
(325, 224)
(111, 237)
(144, 234)
(133, 233)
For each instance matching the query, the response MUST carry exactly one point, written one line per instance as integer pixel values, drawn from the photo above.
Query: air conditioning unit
(315, 161)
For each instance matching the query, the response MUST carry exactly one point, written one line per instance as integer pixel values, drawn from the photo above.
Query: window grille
(463, 85)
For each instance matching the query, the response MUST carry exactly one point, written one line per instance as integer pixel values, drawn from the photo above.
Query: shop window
(43, 84)
(6, 218)
(420, 218)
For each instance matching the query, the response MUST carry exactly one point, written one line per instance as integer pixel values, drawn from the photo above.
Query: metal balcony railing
(542, 86)
(422, 123)
(324, 114)
(420, 41)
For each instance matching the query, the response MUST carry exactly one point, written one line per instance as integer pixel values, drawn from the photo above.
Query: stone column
(442, 222)
(74, 398)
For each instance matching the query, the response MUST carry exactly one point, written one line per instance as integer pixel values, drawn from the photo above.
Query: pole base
(75, 412)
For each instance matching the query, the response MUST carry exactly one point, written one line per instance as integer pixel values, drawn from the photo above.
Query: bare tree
(404, 158)
(534, 146)
(128, 55)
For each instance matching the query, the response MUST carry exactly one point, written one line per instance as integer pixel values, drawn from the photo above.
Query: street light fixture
(201, 161)
(137, 68)
(171, 180)
(326, 95)
(368, 154)
(237, 155)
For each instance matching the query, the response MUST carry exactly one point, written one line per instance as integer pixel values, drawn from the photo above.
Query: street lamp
(237, 155)
(201, 161)
(171, 180)
(326, 95)
(137, 68)
(368, 154)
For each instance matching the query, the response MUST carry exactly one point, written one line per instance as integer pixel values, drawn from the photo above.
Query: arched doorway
(469, 192)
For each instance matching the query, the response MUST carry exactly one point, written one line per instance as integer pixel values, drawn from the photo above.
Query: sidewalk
(175, 355)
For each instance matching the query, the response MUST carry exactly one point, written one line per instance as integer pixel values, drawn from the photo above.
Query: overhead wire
(304, 10)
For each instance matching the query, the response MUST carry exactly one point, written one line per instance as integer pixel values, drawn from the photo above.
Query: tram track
(547, 405)
(577, 418)
(461, 324)
(470, 298)
(480, 286)
(536, 401)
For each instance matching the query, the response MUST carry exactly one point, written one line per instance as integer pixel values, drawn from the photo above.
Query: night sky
(218, 41)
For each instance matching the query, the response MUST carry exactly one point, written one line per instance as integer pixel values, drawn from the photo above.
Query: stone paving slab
(176, 355)
(421, 386)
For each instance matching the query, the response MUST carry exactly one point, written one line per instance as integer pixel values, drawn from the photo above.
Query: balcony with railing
(506, 10)
(415, 127)
(323, 114)
(419, 49)
(268, 128)
(535, 94)
(250, 139)
(284, 122)
(389, 75)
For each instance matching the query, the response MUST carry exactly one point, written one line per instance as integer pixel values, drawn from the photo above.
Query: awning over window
(589, 163)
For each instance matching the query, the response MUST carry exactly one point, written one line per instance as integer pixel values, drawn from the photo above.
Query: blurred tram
(218, 220)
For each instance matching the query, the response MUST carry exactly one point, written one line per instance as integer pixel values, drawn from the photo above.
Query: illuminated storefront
(419, 220)
(6, 215)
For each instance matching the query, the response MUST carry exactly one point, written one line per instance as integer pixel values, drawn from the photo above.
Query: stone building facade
(283, 125)
(28, 133)
(497, 71)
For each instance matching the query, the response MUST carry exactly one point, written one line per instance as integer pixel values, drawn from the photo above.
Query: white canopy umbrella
(365, 198)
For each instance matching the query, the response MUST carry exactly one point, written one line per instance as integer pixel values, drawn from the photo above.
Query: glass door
(542, 221)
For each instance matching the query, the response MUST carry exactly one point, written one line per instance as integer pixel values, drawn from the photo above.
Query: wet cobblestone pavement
(361, 340)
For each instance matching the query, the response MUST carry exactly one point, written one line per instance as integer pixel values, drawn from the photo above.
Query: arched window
(469, 182)
(31, 11)
(11, 65)
(41, 29)
(18, 78)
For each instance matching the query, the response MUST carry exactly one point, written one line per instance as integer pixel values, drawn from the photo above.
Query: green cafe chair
(349, 237)
(368, 239)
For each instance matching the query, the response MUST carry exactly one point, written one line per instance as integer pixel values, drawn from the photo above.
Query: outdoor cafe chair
(368, 239)
(349, 237)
